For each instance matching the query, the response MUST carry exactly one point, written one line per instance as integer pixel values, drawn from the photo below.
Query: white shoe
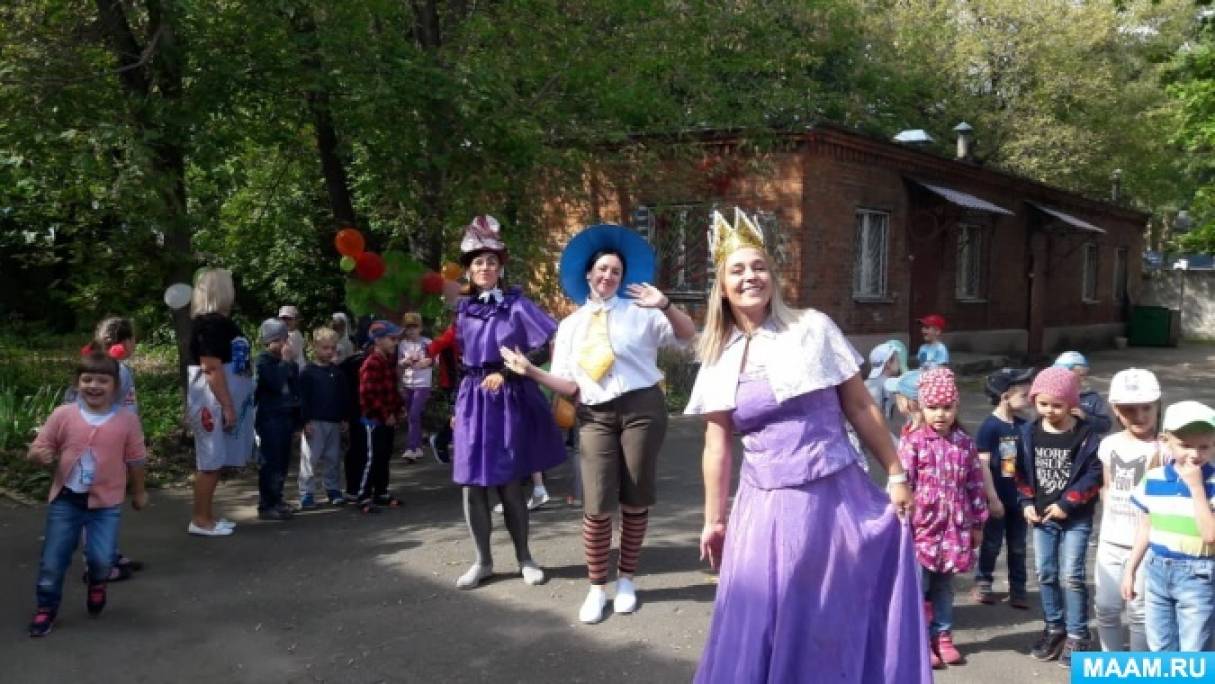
(470, 579)
(224, 522)
(532, 574)
(538, 500)
(217, 531)
(592, 608)
(626, 596)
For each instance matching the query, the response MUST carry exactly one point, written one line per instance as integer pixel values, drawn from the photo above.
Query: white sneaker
(217, 531)
(532, 574)
(592, 608)
(474, 575)
(626, 596)
(538, 499)
(225, 523)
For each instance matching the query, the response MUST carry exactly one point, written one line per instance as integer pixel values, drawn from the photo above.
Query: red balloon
(369, 266)
(432, 283)
(349, 242)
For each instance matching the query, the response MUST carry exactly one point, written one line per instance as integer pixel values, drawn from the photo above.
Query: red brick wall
(816, 184)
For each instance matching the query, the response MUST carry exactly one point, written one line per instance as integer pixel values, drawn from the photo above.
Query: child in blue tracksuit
(1058, 476)
(277, 396)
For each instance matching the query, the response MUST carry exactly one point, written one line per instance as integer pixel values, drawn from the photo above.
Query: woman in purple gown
(818, 581)
(504, 428)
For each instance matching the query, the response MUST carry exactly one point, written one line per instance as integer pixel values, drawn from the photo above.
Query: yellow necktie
(596, 356)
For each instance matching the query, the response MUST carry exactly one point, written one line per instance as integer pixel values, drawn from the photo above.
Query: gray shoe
(274, 514)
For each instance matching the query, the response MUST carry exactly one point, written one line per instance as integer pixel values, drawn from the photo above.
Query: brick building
(877, 233)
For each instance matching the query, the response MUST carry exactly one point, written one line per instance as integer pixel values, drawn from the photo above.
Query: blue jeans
(67, 516)
(1013, 528)
(274, 430)
(938, 591)
(1059, 552)
(1180, 603)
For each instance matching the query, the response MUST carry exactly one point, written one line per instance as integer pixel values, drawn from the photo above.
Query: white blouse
(635, 333)
(809, 355)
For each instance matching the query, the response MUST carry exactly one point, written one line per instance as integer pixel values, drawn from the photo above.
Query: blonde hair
(325, 334)
(213, 292)
(411, 318)
(719, 316)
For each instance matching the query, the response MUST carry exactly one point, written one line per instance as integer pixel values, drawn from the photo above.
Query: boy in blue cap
(1092, 407)
(382, 410)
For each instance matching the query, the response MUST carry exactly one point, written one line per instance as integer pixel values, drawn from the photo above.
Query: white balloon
(178, 295)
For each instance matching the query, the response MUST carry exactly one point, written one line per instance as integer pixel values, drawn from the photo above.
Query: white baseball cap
(1134, 386)
(878, 356)
(1186, 413)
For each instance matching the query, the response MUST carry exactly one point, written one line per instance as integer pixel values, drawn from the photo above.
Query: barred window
(972, 262)
(1088, 290)
(1120, 257)
(869, 272)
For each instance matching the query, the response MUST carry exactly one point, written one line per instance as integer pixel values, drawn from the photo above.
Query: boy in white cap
(294, 349)
(1177, 534)
(1125, 457)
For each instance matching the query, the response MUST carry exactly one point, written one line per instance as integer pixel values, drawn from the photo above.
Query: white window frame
(869, 279)
(971, 261)
(1121, 273)
(1089, 265)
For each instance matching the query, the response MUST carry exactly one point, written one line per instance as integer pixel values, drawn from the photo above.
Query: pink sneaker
(949, 653)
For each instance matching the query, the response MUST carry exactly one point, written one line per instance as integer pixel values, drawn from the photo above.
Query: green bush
(35, 372)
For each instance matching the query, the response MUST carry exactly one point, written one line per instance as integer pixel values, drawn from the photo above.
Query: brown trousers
(619, 442)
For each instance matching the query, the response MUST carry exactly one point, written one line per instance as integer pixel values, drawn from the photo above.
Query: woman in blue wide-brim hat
(606, 353)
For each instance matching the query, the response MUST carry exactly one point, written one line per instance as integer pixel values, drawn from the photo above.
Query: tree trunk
(150, 74)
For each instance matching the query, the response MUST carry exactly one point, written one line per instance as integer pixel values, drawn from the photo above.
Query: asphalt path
(334, 596)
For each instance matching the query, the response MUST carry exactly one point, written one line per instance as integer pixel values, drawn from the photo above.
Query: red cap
(934, 320)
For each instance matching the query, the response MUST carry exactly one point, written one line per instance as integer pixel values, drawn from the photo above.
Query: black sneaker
(1073, 645)
(42, 623)
(96, 599)
(274, 514)
(1049, 645)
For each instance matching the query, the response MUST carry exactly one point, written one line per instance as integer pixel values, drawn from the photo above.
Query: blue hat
(878, 356)
(380, 329)
(1070, 359)
(907, 384)
(637, 253)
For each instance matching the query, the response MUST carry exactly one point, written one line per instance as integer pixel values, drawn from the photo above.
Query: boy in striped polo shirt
(1179, 531)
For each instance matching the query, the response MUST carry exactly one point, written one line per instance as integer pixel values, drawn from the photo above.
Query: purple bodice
(791, 443)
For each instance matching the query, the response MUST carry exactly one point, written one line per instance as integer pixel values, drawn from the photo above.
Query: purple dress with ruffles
(506, 435)
(819, 581)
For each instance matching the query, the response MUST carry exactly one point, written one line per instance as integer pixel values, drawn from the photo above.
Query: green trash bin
(1154, 326)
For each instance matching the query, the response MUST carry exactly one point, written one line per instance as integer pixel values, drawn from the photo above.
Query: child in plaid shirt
(382, 409)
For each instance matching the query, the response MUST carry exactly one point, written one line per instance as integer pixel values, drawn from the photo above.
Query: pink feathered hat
(1058, 382)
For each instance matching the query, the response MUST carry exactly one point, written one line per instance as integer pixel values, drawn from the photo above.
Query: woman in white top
(606, 352)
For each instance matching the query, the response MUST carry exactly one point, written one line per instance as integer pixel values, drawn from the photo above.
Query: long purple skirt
(819, 583)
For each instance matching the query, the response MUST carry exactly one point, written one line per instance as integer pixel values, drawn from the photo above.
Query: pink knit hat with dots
(937, 387)
(1058, 382)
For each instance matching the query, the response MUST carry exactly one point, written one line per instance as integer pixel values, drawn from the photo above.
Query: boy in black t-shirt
(996, 440)
(1058, 477)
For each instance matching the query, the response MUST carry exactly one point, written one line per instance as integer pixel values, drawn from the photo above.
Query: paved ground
(335, 597)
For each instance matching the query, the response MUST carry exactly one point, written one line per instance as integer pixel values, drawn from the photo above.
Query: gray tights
(480, 523)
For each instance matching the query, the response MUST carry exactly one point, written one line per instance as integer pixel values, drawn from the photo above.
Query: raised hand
(647, 296)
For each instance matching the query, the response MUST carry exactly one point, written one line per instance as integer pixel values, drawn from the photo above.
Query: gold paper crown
(724, 238)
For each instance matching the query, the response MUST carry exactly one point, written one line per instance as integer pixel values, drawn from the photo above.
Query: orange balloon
(349, 242)
(452, 271)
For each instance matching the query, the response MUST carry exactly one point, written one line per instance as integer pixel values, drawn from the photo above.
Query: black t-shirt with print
(1053, 456)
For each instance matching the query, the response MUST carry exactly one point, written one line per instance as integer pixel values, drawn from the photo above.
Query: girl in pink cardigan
(97, 451)
(946, 475)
